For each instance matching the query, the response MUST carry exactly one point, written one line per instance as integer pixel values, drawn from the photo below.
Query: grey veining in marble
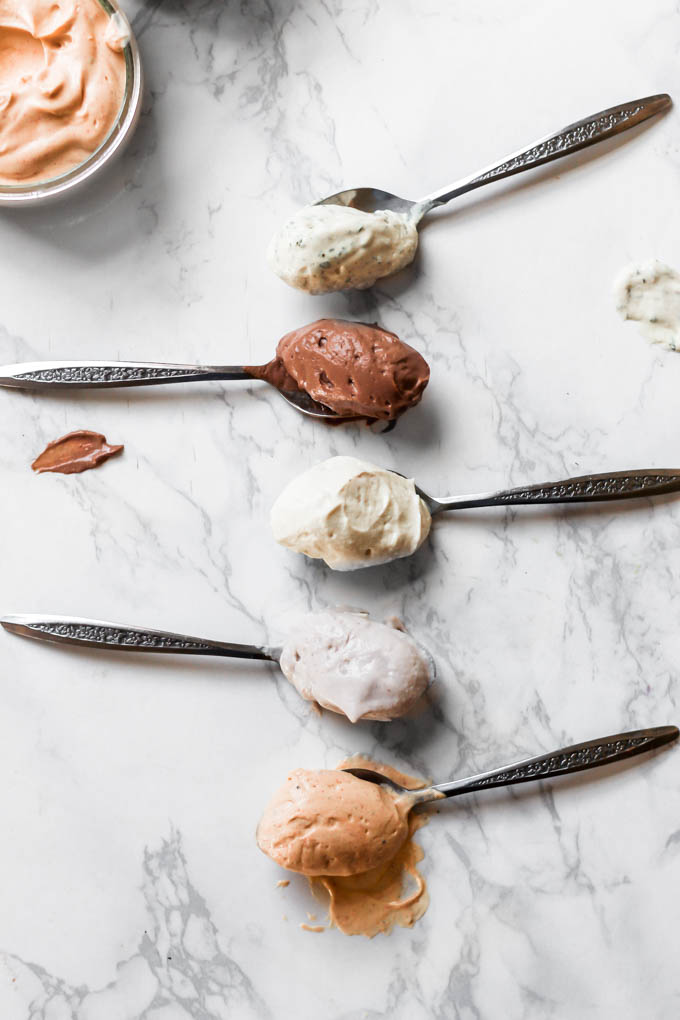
(547, 625)
(179, 970)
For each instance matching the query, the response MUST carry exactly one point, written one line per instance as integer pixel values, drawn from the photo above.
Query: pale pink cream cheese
(62, 83)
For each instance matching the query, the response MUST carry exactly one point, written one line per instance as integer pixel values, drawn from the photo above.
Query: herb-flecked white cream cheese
(334, 247)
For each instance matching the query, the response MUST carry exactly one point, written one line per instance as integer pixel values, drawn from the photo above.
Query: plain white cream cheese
(649, 294)
(350, 664)
(351, 514)
(324, 248)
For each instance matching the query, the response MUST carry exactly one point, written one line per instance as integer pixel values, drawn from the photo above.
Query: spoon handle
(72, 630)
(612, 485)
(48, 375)
(593, 129)
(576, 758)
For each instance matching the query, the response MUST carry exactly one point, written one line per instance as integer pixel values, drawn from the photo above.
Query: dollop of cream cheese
(62, 83)
(350, 664)
(328, 822)
(325, 248)
(350, 514)
(649, 294)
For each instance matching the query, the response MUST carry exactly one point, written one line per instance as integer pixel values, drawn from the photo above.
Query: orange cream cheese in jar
(62, 84)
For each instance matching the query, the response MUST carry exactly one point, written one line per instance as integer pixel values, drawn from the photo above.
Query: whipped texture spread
(351, 514)
(334, 247)
(354, 369)
(62, 82)
(354, 841)
(350, 664)
(649, 294)
(328, 822)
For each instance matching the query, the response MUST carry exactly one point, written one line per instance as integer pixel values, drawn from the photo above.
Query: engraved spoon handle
(612, 485)
(47, 375)
(576, 758)
(72, 630)
(570, 139)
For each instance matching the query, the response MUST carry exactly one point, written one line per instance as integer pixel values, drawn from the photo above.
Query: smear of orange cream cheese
(62, 82)
(379, 899)
(318, 817)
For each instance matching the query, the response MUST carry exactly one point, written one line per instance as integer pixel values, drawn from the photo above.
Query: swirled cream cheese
(351, 514)
(350, 664)
(649, 294)
(62, 82)
(334, 247)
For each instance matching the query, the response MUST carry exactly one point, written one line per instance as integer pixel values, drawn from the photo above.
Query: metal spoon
(596, 128)
(575, 758)
(79, 375)
(645, 482)
(73, 630)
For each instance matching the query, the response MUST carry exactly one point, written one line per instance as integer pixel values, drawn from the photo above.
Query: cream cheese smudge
(649, 294)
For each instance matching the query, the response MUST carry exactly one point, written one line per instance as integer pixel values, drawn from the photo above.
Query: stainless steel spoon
(73, 630)
(596, 128)
(80, 375)
(645, 482)
(576, 758)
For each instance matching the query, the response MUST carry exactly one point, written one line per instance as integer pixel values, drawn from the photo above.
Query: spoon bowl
(305, 404)
(370, 200)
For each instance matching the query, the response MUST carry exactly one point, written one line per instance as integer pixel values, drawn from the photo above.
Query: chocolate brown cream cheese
(78, 451)
(352, 368)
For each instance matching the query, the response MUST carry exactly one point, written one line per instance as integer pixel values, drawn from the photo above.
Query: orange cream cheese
(328, 822)
(62, 84)
(354, 842)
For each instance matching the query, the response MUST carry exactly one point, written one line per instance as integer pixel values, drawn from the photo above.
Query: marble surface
(132, 886)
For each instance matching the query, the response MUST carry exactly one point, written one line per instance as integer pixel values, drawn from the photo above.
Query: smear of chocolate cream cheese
(78, 451)
(355, 369)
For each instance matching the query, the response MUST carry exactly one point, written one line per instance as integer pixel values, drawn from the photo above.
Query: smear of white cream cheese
(649, 294)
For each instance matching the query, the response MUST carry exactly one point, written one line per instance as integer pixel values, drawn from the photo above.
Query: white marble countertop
(132, 886)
